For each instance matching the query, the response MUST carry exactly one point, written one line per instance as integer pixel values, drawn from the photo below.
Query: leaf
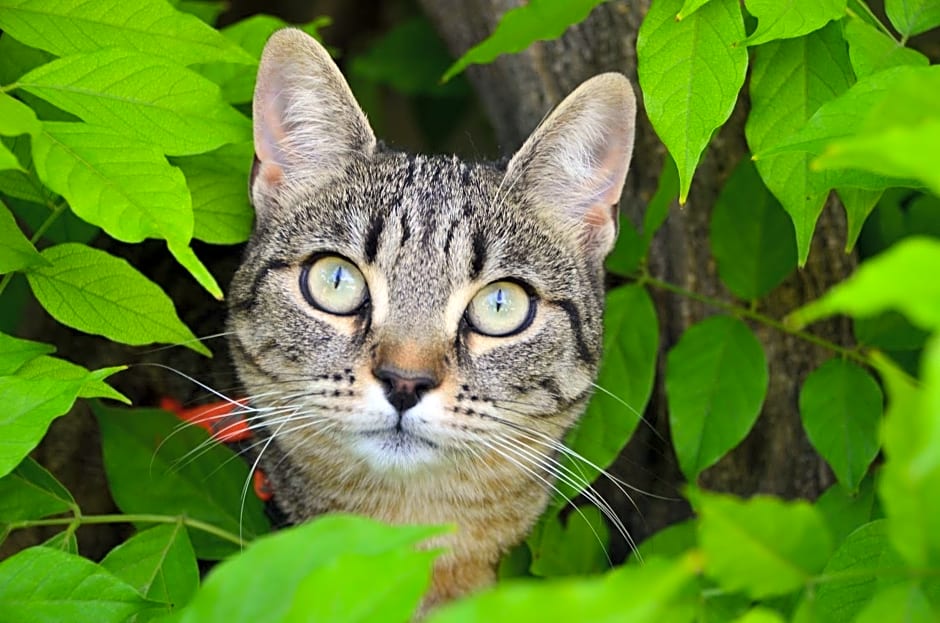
(716, 380)
(14, 353)
(91, 383)
(625, 381)
(647, 594)
(8, 160)
(844, 511)
(786, 19)
(160, 564)
(858, 204)
(537, 20)
(142, 96)
(218, 183)
(155, 466)
(66, 228)
(690, 73)
(854, 570)
(902, 603)
(45, 585)
(188, 259)
(762, 546)
(912, 17)
(689, 7)
(906, 152)
(331, 593)
(790, 80)
(17, 58)
(872, 50)
(261, 583)
(31, 492)
(575, 546)
(16, 117)
(151, 27)
(124, 186)
(207, 11)
(750, 235)
(760, 615)
(840, 404)
(16, 252)
(92, 291)
(889, 331)
(64, 541)
(885, 282)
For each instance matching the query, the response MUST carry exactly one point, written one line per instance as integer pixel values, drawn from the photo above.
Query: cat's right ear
(307, 124)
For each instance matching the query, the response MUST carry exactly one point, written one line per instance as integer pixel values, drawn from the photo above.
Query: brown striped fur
(427, 232)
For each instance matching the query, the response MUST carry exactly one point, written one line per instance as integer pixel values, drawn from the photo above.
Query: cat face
(400, 315)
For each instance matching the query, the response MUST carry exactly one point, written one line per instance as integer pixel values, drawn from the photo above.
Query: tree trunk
(517, 91)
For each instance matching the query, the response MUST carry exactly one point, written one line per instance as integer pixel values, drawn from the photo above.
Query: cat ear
(574, 165)
(307, 124)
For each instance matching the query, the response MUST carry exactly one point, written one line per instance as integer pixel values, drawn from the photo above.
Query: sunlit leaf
(537, 20)
(188, 259)
(98, 293)
(763, 545)
(31, 492)
(690, 74)
(790, 80)
(871, 50)
(858, 204)
(751, 236)
(154, 466)
(841, 404)
(15, 352)
(262, 583)
(885, 282)
(912, 17)
(785, 19)
(689, 7)
(151, 27)
(16, 252)
(575, 545)
(716, 380)
(16, 117)
(45, 585)
(902, 603)
(844, 511)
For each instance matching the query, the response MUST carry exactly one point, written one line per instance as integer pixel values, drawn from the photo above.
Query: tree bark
(517, 91)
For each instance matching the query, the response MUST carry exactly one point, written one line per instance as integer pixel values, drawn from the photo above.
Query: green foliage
(118, 119)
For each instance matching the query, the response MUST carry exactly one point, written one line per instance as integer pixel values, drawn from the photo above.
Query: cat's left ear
(573, 166)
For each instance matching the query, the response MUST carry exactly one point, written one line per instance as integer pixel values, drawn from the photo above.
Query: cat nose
(404, 389)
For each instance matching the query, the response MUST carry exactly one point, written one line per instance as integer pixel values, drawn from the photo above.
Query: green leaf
(16, 252)
(218, 183)
(871, 50)
(15, 352)
(160, 564)
(64, 541)
(92, 384)
(142, 96)
(890, 331)
(16, 117)
(760, 615)
(672, 541)
(903, 603)
(716, 380)
(124, 186)
(577, 546)
(331, 592)
(647, 594)
(17, 58)
(854, 570)
(841, 406)
(690, 73)
(537, 20)
(31, 492)
(92, 291)
(154, 466)
(750, 235)
(8, 160)
(207, 11)
(188, 259)
(844, 510)
(67, 227)
(261, 583)
(790, 80)
(624, 386)
(151, 27)
(858, 204)
(763, 546)
(912, 17)
(44, 585)
(885, 282)
(689, 7)
(790, 18)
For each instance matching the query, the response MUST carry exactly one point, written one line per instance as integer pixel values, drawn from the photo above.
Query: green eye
(333, 284)
(500, 309)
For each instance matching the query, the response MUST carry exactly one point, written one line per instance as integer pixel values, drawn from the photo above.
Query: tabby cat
(417, 333)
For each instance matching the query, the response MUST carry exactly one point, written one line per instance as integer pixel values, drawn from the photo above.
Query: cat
(417, 333)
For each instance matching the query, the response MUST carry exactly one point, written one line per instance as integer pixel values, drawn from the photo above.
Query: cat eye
(333, 284)
(501, 309)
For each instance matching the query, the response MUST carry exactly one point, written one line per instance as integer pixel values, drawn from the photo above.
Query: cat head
(406, 314)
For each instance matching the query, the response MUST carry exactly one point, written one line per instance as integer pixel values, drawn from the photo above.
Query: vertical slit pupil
(337, 276)
(500, 299)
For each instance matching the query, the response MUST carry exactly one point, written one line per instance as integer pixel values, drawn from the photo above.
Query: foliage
(130, 117)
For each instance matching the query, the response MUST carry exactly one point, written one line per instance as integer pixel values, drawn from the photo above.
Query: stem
(57, 211)
(752, 314)
(140, 518)
(874, 18)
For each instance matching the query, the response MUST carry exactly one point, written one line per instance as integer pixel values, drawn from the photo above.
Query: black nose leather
(404, 390)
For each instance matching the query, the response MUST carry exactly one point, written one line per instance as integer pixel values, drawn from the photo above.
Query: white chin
(396, 451)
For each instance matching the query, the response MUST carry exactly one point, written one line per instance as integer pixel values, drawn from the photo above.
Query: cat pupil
(337, 277)
(500, 300)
